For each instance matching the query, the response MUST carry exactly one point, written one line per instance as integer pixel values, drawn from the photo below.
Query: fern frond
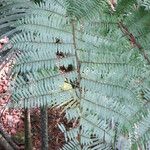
(108, 86)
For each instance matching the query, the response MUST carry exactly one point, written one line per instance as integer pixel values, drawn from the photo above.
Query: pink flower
(4, 40)
(13, 131)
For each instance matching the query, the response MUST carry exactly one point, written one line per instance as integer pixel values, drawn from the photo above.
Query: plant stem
(44, 128)
(27, 123)
(78, 80)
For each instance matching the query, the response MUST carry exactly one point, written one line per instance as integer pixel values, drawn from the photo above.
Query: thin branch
(43, 95)
(4, 144)
(79, 76)
(109, 109)
(132, 38)
(7, 138)
(4, 107)
(42, 42)
(104, 63)
(41, 79)
(42, 60)
(95, 125)
(109, 84)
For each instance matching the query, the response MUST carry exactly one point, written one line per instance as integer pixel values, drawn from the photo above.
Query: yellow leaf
(66, 86)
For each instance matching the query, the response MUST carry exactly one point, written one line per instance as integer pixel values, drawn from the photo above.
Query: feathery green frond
(93, 63)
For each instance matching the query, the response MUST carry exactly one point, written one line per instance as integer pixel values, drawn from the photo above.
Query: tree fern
(109, 97)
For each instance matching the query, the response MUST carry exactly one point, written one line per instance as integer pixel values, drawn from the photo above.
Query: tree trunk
(7, 138)
(27, 123)
(44, 128)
